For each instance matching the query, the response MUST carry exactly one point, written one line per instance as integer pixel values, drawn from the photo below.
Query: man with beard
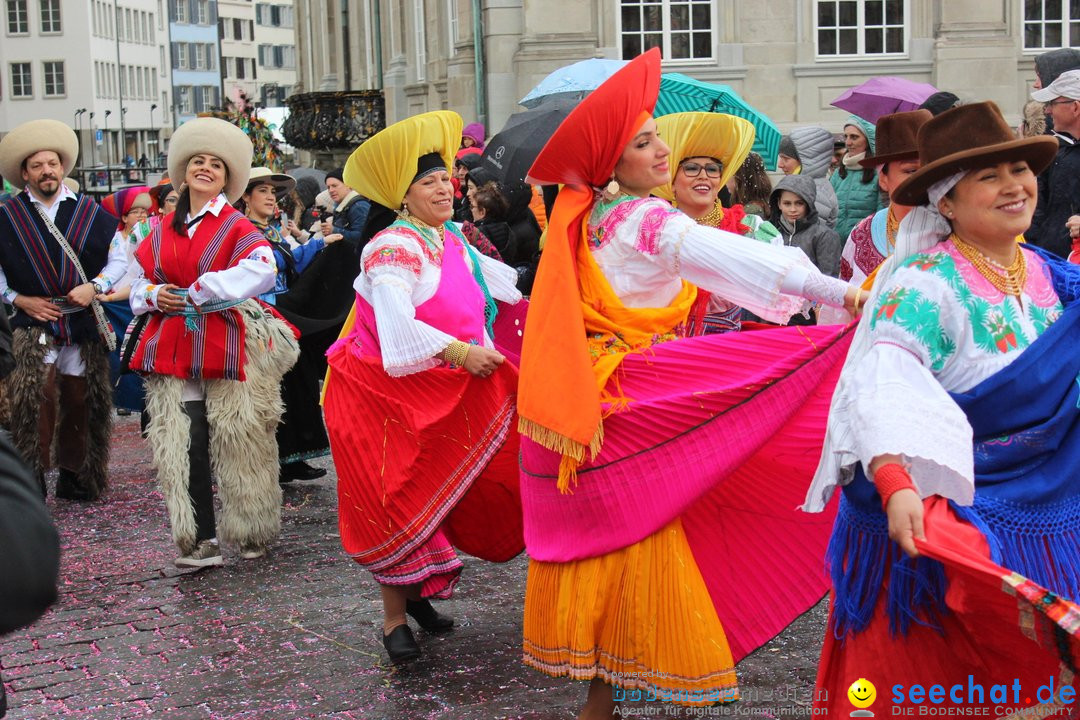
(55, 257)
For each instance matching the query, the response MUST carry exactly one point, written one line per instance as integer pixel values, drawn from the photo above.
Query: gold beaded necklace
(714, 217)
(433, 240)
(1009, 280)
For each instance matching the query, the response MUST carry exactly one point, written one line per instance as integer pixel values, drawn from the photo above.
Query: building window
(452, 24)
(238, 29)
(184, 95)
(21, 84)
(182, 56)
(1051, 24)
(200, 57)
(852, 28)
(54, 78)
(50, 16)
(18, 18)
(180, 8)
(207, 97)
(203, 8)
(682, 29)
(421, 40)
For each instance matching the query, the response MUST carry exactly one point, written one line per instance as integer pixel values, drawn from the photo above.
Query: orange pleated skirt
(639, 618)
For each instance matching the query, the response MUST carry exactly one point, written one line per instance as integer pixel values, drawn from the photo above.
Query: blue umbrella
(682, 93)
(573, 81)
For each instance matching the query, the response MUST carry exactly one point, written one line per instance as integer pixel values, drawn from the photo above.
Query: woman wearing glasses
(706, 150)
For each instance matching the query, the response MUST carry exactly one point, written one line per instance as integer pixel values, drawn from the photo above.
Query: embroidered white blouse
(645, 248)
(398, 275)
(939, 327)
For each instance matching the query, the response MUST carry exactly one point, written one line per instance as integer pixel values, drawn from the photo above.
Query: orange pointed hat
(558, 397)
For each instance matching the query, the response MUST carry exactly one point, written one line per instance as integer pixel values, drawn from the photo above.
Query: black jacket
(30, 560)
(1059, 197)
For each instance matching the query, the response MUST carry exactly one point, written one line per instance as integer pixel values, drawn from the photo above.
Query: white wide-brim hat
(282, 184)
(33, 137)
(212, 137)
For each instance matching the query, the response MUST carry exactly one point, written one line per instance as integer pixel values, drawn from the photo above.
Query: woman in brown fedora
(955, 435)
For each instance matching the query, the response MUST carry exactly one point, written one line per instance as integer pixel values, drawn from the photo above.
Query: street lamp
(107, 114)
(78, 126)
(123, 153)
(93, 141)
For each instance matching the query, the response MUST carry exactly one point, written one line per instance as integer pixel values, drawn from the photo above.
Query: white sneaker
(206, 554)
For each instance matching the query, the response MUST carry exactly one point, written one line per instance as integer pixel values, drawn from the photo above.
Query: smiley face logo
(862, 693)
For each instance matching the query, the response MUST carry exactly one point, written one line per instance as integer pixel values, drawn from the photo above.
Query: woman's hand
(333, 238)
(1073, 224)
(905, 512)
(482, 361)
(854, 297)
(326, 227)
(293, 229)
(168, 301)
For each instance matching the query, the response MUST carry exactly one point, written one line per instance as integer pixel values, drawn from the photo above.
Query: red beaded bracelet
(889, 478)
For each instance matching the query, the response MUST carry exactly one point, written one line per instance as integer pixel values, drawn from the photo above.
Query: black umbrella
(511, 153)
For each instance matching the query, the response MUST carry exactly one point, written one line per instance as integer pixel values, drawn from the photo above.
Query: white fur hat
(213, 137)
(33, 137)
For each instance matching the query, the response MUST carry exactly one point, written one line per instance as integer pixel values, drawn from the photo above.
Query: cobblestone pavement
(294, 634)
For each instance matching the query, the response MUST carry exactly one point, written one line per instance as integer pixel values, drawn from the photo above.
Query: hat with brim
(33, 137)
(282, 184)
(383, 167)
(967, 138)
(897, 137)
(701, 134)
(219, 138)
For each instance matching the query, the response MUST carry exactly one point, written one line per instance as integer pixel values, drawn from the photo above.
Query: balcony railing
(333, 120)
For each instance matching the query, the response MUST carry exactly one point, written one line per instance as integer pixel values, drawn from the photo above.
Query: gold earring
(612, 189)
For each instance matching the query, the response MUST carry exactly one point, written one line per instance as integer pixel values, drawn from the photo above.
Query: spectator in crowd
(808, 150)
(1059, 185)
(856, 186)
(350, 211)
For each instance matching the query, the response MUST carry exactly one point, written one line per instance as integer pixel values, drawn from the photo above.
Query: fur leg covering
(169, 433)
(26, 386)
(94, 475)
(243, 419)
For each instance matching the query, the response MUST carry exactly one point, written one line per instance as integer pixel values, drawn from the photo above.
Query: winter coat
(349, 219)
(814, 146)
(1059, 197)
(855, 199)
(820, 242)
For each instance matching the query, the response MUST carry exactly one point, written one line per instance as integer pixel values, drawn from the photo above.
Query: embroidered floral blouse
(939, 327)
(398, 274)
(646, 248)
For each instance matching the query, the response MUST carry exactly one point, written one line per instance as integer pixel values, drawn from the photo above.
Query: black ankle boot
(429, 618)
(401, 645)
(68, 487)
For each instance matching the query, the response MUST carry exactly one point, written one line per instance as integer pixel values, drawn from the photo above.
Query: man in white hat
(1059, 185)
(54, 258)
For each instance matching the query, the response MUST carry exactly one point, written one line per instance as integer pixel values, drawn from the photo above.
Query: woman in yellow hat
(419, 403)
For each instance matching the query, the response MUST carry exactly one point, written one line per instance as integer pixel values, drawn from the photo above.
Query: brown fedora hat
(896, 135)
(969, 137)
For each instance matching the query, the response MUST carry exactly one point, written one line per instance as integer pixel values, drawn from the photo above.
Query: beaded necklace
(714, 217)
(892, 226)
(1008, 280)
(433, 240)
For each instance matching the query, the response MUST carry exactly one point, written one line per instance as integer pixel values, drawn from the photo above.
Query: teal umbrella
(682, 93)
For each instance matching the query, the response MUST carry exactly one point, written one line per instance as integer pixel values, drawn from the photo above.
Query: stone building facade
(788, 58)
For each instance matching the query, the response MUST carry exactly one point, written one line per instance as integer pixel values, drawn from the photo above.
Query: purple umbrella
(883, 95)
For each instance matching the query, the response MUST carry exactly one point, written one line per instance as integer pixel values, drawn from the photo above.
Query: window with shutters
(182, 56)
(208, 97)
(200, 57)
(21, 84)
(50, 16)
(202, 7)
(18, 19)
(183, 94)
(180, 12)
